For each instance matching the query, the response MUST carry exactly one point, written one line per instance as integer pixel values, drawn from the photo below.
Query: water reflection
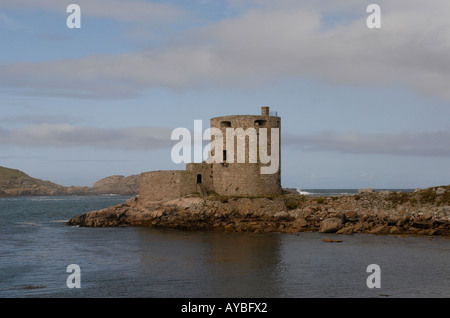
(212, 264)
(217, 264)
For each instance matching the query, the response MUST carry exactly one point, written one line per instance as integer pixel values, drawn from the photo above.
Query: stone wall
(206, 172)
(159, 185)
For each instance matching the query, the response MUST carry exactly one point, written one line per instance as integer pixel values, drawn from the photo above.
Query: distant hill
(14, 182)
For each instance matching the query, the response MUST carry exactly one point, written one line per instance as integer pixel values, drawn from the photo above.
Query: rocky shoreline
(423, 212)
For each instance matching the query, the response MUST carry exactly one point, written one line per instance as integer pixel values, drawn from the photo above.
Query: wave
(303, 192)
(327, 192)
(336, 192)
(23, 224)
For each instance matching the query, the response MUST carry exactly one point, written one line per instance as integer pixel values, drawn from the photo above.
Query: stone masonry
(228, 178)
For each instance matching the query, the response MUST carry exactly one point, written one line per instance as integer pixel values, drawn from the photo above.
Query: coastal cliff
(423, 212)
(14, 182)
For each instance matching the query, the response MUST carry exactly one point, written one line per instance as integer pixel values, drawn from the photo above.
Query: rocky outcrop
(423, 212)
(117, 185)
(17, 183)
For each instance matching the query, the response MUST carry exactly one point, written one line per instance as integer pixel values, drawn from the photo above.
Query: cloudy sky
(360, 107)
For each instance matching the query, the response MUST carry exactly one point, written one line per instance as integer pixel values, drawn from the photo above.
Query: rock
(330, 225)
(282, 215)
(309, 210)
(350, 215)
(440, 191)
(359, 227)
(402, 219)
(391, 220)
(344, 215)
(427, 216)
(380, 229)
(421, 224)
(301, 222)
(365, 190)
(363, 215)
(347, 230)
(332, 241)
(117, 185)
(394, 230)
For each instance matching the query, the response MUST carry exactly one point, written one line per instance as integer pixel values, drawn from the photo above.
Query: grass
(398, 198)
(13, 178)
(445, 199)
(320, 200)
(427, 196)
(7, 173)
(292, 204)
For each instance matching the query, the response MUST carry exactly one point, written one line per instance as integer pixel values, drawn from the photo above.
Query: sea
(43, 257)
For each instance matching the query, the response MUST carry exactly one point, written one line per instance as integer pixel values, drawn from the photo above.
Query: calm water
(36, 247)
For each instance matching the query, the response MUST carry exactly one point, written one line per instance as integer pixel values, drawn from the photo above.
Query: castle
(229, 176)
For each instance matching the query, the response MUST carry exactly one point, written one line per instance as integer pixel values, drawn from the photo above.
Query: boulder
(330, 225)
(283, 215)
(346, 230)
(359, 227)
(351, 215)
(394, 230)
(440, 191)
(300, 222)
(380, 229)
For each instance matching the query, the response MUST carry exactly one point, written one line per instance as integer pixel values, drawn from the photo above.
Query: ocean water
(36, 246)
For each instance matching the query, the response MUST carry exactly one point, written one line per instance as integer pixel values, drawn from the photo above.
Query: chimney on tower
(265, 111)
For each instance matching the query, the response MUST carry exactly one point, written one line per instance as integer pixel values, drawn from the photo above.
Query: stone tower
(227, 176)
(235, 178)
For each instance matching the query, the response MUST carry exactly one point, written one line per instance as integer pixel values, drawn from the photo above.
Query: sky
(360, 107)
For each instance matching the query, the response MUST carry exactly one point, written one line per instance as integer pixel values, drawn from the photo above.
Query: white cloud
(121, 10)
(66, 135)
(263, 43)
(420, 144)
(38, 119)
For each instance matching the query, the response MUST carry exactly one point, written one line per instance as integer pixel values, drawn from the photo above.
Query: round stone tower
(255, 168)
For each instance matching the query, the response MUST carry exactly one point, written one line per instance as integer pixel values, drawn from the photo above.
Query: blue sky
(360, 107)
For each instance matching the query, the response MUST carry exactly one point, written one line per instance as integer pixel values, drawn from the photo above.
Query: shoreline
(422, 212)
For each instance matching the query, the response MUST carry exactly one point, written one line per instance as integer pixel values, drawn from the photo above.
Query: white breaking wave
(303, 192)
